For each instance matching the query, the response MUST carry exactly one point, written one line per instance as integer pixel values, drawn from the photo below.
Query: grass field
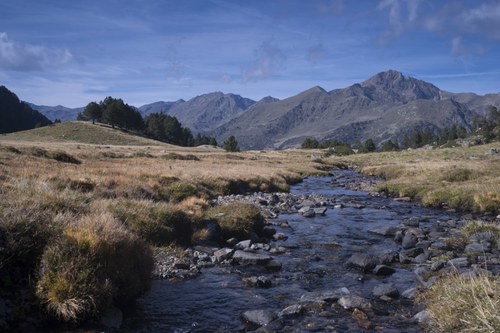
(66, 189)
(466, 179)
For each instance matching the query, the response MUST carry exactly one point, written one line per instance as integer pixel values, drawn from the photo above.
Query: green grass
(237, 220)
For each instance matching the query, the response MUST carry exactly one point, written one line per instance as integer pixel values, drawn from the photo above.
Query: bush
(175, 156)
(158, 223)
(459, 304)
(458, 175)
(95, 263)
(238, 220)
(24, 233)
(177, 191)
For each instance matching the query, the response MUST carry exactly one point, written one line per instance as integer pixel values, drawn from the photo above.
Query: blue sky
(73, 52)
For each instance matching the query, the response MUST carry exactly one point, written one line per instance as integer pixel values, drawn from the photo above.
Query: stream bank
(336, 259)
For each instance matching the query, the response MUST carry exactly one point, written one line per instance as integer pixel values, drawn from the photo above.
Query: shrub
(177, 191)
(158, 223)
(238, 220)
(95, 263)
(457, 175)
(63, 157)
(175, 156)
(24, 233)
(459, 304)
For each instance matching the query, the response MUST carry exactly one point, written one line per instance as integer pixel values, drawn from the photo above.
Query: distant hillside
(57, 112)
(80, 132)
(203, 113)
(387, 106)
(16, 115)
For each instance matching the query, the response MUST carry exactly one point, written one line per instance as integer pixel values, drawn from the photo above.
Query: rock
(413, 252)
(338, 206)
(112, 318)
(410, 293)
(261, 281)
(307, 212)
(409, 241)
(280, 236)
(273, 265)
(362, 260)
(324, 295)
(361, 318)
(223, 254)
(389, 257)
(243, 244)
(478, 248)
(354, 301)
(292, 311)
(459, 262)
(258, 317)
(422, 258)
(249, 258)
(232, 242)
(437, 265)
(411, 222)
(278, 250)
(385, 289)
(422, 317)
(320, 211)
(398, 237)
(383, 270)
(385, 231)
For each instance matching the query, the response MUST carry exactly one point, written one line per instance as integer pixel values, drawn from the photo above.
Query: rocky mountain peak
(395, 87)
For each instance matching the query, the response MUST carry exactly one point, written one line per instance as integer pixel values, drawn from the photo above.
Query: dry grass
(466, 179)
(157, 191)
(464, 304)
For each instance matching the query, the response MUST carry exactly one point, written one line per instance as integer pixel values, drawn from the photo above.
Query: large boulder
(258, 317)
(250, 258)
(362, 260)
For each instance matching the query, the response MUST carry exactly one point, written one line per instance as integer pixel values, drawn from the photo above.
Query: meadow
(76, 197)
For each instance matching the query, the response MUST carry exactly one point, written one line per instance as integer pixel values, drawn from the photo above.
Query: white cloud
(268, 59)
(17, 56)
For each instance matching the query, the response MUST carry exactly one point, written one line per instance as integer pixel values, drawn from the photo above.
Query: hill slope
(16, 115)
(80, 132)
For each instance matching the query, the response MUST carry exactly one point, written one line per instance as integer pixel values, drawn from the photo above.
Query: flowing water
(317, 249)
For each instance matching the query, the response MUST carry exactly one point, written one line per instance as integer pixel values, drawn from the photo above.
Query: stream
(314, 262)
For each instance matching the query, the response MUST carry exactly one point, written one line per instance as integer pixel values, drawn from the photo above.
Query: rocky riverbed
(332, 258)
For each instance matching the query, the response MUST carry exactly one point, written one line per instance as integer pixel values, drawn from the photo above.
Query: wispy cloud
(17, 56)
(316, 53)
(267, 60)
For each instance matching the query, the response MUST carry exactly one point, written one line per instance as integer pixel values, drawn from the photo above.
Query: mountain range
(387, 106)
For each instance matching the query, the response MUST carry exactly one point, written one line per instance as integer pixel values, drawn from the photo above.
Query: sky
(60, 52)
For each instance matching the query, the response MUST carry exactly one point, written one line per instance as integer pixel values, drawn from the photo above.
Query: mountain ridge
(386, 106)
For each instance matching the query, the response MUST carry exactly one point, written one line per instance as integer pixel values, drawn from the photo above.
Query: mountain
(57, 112)
(202, 113)
(158, 107)
(387, 106)
(16, 115)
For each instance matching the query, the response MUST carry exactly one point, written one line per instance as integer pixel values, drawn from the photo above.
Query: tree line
(488, 127)
(158, 126)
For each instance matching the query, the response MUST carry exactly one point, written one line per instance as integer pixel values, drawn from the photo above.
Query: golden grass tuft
(96, 262)
(237, 219)
(464, 304)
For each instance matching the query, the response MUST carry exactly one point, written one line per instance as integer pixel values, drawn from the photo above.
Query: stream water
(316, 252)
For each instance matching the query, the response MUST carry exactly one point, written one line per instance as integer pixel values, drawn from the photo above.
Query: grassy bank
(466, 179)
(70, 210)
